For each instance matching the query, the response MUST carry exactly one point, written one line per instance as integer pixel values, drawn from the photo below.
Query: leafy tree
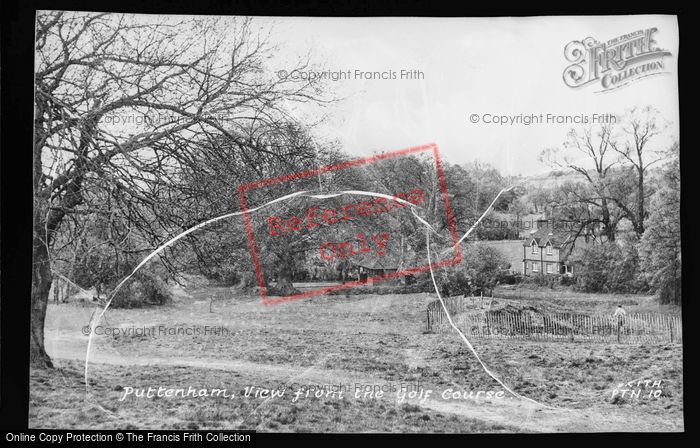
(634, 144)
(660, 246)
(608, 267)
(592, 144)
(482, 268)
(614, 161)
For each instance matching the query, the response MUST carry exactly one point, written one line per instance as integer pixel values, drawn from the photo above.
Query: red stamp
(360, 224)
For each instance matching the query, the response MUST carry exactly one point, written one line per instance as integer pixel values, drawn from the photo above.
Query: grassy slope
(360, 338)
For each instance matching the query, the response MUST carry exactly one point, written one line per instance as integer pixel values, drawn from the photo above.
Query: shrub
(608, 268)
(458, 283)
(145, 288)
(225, 274)
(482, 268)
(512, 278)
(567, 280)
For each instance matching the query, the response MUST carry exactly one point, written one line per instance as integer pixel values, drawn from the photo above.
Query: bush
(225, 274)
(145, 288)
(458, 283)
(567, 280)
(548, 280)
(512, 279)
(482, 268)
(608, 268)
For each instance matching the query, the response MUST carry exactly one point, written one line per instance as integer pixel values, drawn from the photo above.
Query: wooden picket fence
(634, 328)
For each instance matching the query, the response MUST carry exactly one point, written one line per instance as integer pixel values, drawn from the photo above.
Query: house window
(550, 268)
(549, 249)
(535, 249)
(535, 267)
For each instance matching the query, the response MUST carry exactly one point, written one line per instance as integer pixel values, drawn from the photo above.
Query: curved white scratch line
(219, 218)
(464, 338)
(304, 193)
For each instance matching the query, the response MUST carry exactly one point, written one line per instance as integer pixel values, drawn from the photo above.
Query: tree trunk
(640, 204)
(41, 284)
(284, 286)
(609, 231)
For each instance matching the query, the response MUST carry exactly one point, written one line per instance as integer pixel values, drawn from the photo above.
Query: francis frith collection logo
(614, 63)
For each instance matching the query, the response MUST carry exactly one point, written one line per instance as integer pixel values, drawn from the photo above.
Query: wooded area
(144, 128)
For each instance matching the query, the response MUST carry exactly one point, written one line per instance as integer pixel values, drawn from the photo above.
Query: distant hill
(559, 177)
(551, 179)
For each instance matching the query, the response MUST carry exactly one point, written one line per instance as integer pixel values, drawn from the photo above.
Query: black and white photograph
(284, 224)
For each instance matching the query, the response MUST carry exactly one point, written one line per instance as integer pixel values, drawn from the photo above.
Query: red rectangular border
(275, 180)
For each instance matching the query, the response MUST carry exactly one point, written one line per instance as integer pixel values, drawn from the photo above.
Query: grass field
(357, 341)
(565, 299)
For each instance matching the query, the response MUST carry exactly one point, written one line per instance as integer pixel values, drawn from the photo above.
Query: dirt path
(508, 411)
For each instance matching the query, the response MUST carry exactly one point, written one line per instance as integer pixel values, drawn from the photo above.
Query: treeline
(108, 192)
(615, 188)
(127, 108)
(649, 261)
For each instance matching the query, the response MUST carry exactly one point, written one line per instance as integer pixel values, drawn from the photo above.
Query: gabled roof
(546, 235)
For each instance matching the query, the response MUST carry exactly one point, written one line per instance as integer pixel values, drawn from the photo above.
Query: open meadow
(317, 353)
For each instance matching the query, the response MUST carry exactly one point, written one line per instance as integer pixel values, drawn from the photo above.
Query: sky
(494, 66)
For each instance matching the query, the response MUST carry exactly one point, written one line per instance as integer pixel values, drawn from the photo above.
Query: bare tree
(594, 160)
(640, 127)
(122, 103)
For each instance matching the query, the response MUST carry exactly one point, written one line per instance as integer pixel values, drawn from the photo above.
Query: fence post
(571, 316)
(619, 326)
(427, 321)
(528, 324)
(670, 327)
